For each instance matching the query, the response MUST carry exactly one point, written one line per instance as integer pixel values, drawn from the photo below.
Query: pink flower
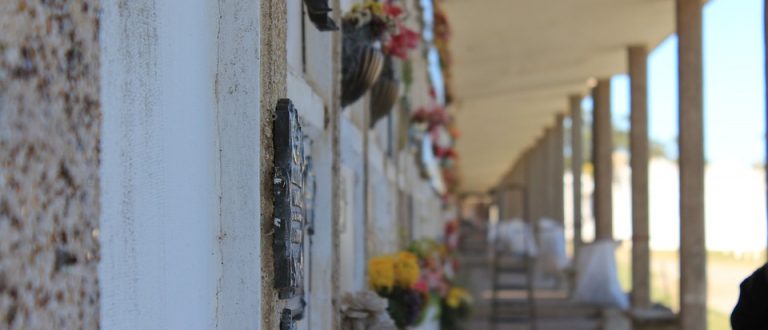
(392, 10)
(400, 43)
(421, 286)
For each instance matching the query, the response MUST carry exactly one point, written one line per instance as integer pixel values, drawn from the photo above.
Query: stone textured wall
(274, 75)
(49, 159)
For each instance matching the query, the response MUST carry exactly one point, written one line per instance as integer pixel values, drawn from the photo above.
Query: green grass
(716, 320)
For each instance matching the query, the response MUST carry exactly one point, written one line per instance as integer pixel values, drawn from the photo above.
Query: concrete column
(547, 181)
(693, 275)
(558, 165)
(530, 181)
(527, 174)
(525, 180)
(501, 203)
(576, 164)
(542, 196)
(602, 148)
(517, 178)
(638, 145)
(535, 184)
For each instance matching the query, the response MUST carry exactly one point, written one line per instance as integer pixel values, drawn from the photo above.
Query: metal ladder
(526, 267)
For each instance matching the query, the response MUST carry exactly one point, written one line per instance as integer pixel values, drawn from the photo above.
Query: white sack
(552, 258)
(515, 236)
(597, 279)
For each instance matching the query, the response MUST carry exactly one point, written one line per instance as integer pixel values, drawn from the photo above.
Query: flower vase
(384, 92)
(431, 319)
(362, 61)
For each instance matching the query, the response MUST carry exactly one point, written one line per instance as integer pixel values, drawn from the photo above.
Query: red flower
(421, 286)
(400, 43)
(451, 227)
(392, 10)
(420, 115)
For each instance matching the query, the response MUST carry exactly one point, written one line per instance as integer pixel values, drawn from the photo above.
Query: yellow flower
(381, 272)
(407, 270)
(374, 7)
(456, 296)
(442, 250)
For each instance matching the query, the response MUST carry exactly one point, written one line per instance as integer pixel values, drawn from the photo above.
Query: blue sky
(734, 114)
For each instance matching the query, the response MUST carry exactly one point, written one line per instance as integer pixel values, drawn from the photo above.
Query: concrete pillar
(602, 149)
(527, 181)
(547, 181)
(516, 178)
(530, 181)
(535, 182)
(558, 166)
(638, 145)
(543, 193)
(693, 275)
(576, 164)
(501, 203)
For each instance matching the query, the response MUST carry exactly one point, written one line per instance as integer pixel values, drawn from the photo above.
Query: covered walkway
(522, 70)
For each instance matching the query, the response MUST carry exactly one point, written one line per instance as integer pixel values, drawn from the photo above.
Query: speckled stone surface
(49, 164)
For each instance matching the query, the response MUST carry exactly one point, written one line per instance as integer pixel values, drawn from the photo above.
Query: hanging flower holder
(372, 29)
(362, 61)
(385, 92)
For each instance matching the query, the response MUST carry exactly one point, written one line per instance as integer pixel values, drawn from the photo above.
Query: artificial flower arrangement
(452, 235)
(442, 32)
(374, 16)
(401, 40)
(386, 23)
(421, 277)
(367, 28)
(435, 121)
(395, 278)
(430, 117)
(437, 124)
(439, 267)
(455, 307)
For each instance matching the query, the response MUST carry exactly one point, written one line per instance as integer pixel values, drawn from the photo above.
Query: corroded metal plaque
(288, 190)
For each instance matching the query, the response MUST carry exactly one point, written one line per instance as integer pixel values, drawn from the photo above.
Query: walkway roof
(516, 61)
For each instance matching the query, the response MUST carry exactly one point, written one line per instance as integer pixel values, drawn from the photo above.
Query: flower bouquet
(394, 277)
(455, 309)
(364, 30)
(438, 276)
(402, 39)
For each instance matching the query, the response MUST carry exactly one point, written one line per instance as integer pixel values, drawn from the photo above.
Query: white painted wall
(352, 222)
(383, 194)
(180, 165)
(238, 94)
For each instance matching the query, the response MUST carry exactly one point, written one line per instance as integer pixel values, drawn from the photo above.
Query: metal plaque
(286, 320)
(318, 12)
(288, 190)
